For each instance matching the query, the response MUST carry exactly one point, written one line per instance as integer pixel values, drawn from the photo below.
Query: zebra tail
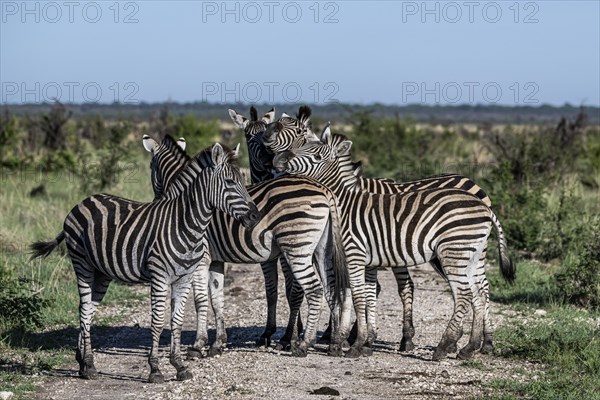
(340, 268)
(43, 249)
(507, 267)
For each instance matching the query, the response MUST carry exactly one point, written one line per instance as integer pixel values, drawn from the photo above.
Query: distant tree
(53, 126)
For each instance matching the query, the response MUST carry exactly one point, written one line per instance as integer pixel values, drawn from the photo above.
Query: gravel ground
(244, 371)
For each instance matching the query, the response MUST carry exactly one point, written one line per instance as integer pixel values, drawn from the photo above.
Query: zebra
(289, 133)
(261, 170)
(449, 227)
(299, 220)
(162, 242)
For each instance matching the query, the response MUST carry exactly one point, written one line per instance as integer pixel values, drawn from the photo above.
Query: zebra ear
(217, 154)
(181, 143)
(303, 115)
(326, 135)
(236, 151)
(238, 119)
(269, 117)
(149, 143)
(343, 148)
(284, 115)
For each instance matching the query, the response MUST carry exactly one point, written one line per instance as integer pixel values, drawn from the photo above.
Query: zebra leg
(480, 303)
(269, 270)
(461, 279)
(158, 294)
(294, 295)
(352, 335)
(406, 289)
(358, 286)
(200, 285)
(306, 275)
(488, 327)
(477, 328)
(294, 327)
(341, 318)
(92, 285)
(216, 280)
(179, 293)
(371, 310)
(437, 266)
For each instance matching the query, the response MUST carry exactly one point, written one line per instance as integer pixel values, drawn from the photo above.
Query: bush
(21, 305)
(579, 280)
(102, 170)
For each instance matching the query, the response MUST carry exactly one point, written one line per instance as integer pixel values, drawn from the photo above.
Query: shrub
(579, 280)
(21, 305)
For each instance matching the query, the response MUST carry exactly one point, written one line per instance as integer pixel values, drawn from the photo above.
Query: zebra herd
(310, 209)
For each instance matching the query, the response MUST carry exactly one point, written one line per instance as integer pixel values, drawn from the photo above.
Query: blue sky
(404, 52)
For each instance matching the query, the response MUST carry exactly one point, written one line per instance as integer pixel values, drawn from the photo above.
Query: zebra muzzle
(280, 162)
(251, 218)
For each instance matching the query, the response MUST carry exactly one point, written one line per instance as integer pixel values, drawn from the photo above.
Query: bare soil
(246, 372)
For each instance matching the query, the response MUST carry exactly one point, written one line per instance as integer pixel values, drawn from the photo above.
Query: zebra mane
(357, 167)
(173, 147)
(195, 165)
(304, 113)
(204, 158)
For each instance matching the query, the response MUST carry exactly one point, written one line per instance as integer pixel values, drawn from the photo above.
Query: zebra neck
(340, 178)
(261, 161)
(191, 206)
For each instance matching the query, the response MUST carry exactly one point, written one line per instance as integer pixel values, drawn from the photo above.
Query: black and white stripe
(162, 242)
(289, 133)
(299, 221)
(449, 227)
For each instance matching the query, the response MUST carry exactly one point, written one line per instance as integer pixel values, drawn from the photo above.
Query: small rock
(348, 373)
(9, 395)
(326, 390)
(445, 374)
(540, 313)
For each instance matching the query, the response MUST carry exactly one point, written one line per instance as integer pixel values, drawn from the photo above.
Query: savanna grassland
(543, 179)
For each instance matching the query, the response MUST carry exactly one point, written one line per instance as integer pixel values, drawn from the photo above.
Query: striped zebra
(261, 168)
(299, 221)
(449, 227)
(163, 242)
(288, 133)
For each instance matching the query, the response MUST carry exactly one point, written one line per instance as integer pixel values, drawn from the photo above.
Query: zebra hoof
(283, 345)
(156, 377)
(299, 351)
(194, 353)
(353, 353)
(488, 348)
(453, 348)
(184, 375)
(89, 373)
(215, 351)
(263, 342)
(438, 354)
(465, 354)
(407, 345)
(366, 351)
(335, 350)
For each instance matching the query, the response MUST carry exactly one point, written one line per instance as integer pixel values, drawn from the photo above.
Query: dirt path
(246, 372)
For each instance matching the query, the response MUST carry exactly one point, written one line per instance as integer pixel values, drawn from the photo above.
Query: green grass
(25, 352)
(534, 285)
(565, 342)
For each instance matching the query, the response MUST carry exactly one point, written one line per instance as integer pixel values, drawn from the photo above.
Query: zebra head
(288, 132)
(260, 159)
(324, 161)
(226, 190)
(168, 158)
